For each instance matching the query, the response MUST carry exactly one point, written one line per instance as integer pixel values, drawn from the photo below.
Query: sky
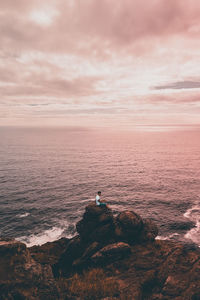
(100, 63)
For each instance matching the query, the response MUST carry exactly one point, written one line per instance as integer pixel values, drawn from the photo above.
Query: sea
(49, 175)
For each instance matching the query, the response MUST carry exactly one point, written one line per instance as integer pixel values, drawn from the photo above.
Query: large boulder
(97, 224)
(21, 277)
(128, 226)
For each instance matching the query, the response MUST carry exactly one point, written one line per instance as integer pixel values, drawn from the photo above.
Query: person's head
(99, 193)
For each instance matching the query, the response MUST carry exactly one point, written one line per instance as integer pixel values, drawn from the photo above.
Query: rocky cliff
(122, 246)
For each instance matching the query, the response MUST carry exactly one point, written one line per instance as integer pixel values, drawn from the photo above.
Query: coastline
(123, 248)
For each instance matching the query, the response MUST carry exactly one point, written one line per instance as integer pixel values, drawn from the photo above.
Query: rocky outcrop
(21, 277)
(99, 224)
(123, 245)
(99, 228)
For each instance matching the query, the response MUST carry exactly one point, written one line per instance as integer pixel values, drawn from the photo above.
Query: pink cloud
(96, 24)
(100, 57)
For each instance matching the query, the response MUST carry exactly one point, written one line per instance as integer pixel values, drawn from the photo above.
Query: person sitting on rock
(98, 200)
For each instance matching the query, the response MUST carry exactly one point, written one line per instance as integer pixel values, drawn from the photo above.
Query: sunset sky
(100, 63)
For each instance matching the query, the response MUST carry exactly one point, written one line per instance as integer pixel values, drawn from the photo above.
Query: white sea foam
(48, 235)
(24, 215)
(168, 237)
(193, 214)
(194, 234)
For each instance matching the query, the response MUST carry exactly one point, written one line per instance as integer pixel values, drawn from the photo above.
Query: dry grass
(92, 284)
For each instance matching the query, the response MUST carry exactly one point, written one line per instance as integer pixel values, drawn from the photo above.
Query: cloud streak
(179, 85)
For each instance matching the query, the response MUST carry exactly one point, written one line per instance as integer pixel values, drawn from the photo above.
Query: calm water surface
(47, 177)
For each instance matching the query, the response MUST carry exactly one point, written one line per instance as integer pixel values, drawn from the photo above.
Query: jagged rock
(149, 231)
(96, 226)
(84, 260)
(49, 253)
(177, 275)
(173, 285)
(21, 277)
(128, 226)
(111, 252)
(73, 251)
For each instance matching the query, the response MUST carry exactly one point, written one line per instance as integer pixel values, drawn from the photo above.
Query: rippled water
(47, 176)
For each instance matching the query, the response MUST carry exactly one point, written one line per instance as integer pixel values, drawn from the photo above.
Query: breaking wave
(24, 215)
(50, 235)
(194, 215)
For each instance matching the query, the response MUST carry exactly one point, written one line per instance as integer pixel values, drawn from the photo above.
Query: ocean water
(47, 177)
